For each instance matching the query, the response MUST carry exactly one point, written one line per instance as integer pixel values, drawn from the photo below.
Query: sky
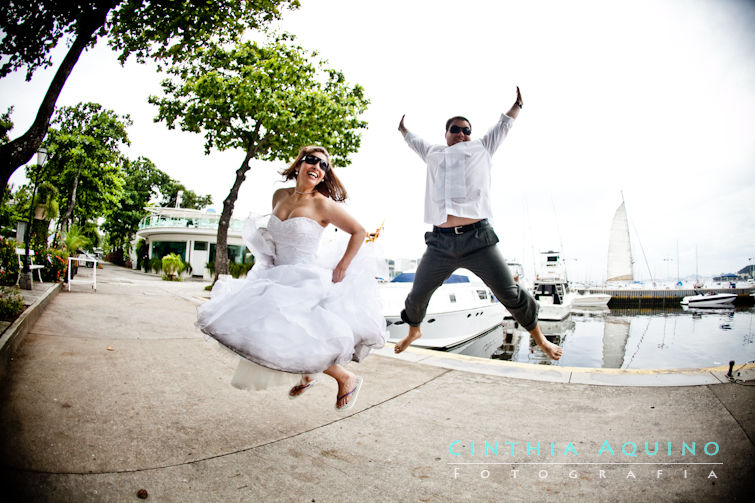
(649, 100)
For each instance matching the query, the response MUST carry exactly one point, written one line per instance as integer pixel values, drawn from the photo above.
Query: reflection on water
(629, 339)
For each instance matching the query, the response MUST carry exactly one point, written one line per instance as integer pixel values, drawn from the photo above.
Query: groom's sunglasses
(455, 129)
(314, 161)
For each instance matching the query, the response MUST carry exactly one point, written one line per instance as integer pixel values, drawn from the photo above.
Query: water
(630, 339)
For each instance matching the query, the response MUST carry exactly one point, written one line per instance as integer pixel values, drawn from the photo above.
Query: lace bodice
(296, 239)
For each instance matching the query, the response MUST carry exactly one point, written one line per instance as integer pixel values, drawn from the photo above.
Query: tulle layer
(292, 317)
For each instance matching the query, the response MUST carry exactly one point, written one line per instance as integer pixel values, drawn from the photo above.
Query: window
(482, 294)
(238, 254)
(163, 248)
(200, 245)
(452, 297)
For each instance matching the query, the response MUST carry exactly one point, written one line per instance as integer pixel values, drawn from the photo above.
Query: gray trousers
(474, 250)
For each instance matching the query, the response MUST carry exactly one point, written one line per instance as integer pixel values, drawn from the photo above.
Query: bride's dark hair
(330, 186)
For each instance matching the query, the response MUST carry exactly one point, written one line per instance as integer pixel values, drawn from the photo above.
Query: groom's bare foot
(553, 351)
(414, 334)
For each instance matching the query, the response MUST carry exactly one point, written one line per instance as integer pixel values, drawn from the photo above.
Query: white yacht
(710, 300)
(461, 309)
(551, 288)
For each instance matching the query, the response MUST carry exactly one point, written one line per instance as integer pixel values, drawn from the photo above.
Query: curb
(572, 375)
(14, 334)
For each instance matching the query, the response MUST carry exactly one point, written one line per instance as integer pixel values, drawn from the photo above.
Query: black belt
(461, 229)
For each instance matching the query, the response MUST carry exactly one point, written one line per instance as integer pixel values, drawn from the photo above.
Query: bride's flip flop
(354, 392)
(300, 388)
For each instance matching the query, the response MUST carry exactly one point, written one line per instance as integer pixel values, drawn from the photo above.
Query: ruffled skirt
(293, 319)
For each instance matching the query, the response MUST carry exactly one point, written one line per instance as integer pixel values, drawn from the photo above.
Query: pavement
(111, 392)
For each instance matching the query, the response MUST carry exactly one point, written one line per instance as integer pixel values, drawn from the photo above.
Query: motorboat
(551, 288)
(462, 308)
(709, 300)
(590, 299)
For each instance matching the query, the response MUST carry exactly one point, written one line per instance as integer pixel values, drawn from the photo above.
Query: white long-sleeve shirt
(458, 177)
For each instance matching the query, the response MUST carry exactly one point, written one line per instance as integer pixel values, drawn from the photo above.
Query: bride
(295, 313)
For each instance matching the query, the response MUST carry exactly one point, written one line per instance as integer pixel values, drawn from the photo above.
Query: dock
(668, 297)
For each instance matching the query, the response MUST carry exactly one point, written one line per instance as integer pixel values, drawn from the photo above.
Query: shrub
(8, 262)
(11, 303)
(238, 270)
(156, 264)
(142, 255)
(56, 264)
(172, 266)
(210, 266)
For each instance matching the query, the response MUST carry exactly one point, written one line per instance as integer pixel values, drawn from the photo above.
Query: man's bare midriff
(454, 221)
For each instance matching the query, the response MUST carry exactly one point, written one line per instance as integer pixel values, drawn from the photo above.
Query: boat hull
(457, 313)
(445, 330)
(714, 301)
(590, 300)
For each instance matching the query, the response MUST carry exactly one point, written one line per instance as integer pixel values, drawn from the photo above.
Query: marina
(630, 339)
(638, 298)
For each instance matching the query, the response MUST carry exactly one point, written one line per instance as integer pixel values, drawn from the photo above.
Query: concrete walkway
(116, 391)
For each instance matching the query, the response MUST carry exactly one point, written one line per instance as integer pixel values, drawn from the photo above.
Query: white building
(192, 234)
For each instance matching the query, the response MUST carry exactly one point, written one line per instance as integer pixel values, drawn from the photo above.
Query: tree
(267, 100)
(189, 198)
(84, 161)
(164, 30)
(143, 184)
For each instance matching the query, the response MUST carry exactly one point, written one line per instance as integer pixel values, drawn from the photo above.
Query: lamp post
(25, 281)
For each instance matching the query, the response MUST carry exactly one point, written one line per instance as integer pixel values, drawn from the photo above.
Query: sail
(619, 248)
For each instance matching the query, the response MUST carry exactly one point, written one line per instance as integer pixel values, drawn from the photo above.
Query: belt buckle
(456, 229)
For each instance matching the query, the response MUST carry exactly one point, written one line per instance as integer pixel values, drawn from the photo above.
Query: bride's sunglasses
(455, 129)
(314, 161)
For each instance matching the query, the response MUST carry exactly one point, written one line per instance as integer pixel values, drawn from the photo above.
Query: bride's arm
(338, 216)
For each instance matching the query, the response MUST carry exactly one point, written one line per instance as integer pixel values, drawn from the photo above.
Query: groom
(457, 205)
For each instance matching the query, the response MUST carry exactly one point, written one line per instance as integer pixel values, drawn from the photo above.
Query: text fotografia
(607, 449)
(630, 473)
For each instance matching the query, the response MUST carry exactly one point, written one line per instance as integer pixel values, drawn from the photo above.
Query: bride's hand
(339, 273)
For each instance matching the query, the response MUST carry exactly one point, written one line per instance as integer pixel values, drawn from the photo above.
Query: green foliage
(238, 270)
(56, 264)
(172, 265)
(8, 261)
(10, 213)
(142, 182)
(47, 200)
(158, 29)
(266, 99)
(189, 198)
(142, 255)
(143, 185)
(84, 160)
(210, 267)
(11, 303)
(6, 124)
(156, 264)
(75, 240)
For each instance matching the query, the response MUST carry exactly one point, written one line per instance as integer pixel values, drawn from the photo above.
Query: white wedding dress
(287, 314)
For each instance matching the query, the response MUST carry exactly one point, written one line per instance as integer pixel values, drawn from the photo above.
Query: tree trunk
(18, 152)
(221, 248)
(63, 222)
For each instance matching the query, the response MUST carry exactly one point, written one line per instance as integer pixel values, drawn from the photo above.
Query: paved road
(116, 391)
